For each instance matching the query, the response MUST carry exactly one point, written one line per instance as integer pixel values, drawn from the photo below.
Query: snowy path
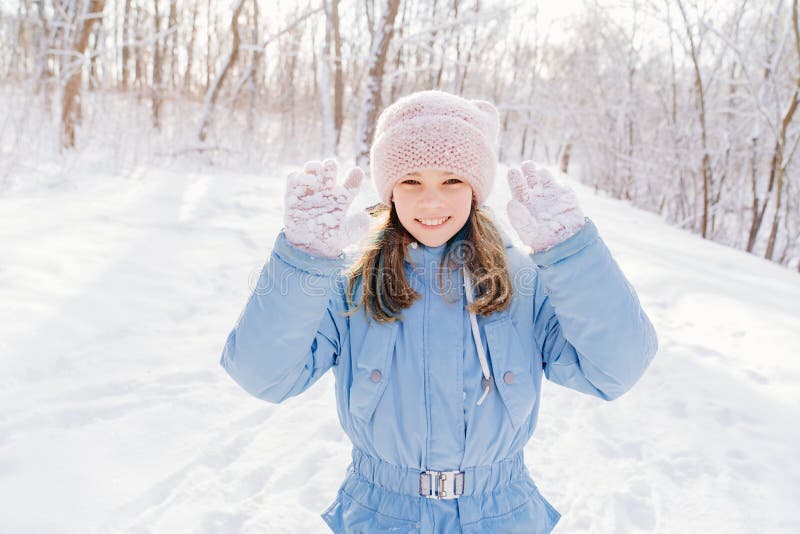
(118, 292)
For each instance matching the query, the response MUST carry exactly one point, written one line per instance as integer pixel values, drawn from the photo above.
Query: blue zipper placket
(443, 359)
(425, 356)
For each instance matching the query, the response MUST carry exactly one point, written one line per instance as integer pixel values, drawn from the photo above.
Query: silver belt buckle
(441, 484)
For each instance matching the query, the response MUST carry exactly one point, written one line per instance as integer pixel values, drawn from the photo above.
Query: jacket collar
(418, 254)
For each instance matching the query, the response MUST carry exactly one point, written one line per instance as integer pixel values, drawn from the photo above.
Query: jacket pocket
(348, 516)
(534, 516)
(372, 368)
(511, 368)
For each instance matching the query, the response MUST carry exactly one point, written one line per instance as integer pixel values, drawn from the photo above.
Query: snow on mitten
(542, 211)
(315, 209)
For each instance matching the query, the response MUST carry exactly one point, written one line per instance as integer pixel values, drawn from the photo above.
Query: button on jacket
(406, 391)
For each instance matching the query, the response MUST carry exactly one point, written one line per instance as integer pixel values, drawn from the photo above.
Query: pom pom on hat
(435, 130)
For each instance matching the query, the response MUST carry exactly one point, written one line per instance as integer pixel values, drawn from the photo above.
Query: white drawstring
(487, 381)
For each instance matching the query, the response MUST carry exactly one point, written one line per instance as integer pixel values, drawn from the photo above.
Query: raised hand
(542, 211)
(315, 217)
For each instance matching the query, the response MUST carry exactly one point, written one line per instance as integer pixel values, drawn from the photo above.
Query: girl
(439, 334)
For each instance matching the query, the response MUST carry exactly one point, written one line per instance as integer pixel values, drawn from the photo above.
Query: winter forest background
(685, 108)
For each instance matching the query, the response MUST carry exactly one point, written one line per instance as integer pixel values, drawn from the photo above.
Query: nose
(431, 198)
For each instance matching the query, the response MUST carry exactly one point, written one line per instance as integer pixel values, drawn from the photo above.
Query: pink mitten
(315, 218)
(543, 212)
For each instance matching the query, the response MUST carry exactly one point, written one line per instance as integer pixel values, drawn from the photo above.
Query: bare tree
(759, 204)
(374, 84)
(171, 43)
(705, 167)
(256, 58)
(338, 72)
(187, 73)
(781, 155)
(324, 86)
(213, 90)
(71, 94)
(126, 50)
(155, 87)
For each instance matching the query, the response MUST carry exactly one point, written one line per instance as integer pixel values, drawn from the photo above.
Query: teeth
(432, 222)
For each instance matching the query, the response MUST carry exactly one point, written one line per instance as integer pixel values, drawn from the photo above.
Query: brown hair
(381, 266)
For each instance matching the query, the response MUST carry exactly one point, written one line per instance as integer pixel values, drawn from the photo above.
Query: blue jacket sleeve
(591, 329)
(289, 333)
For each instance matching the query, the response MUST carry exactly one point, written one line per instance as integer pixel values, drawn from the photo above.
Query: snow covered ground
(117, 292)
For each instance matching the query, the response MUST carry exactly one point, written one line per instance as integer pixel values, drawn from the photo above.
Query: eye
(453, 181)
(410, 181)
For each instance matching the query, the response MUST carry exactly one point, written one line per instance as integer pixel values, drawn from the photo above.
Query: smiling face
(432, 205)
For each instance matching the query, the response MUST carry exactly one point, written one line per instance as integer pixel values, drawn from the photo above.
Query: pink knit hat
(435, 130)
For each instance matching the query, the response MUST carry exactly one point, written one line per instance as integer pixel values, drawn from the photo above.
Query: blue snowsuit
(406, 391)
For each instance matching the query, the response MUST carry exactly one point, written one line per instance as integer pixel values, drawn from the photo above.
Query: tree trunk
(432, 49)
(140, 69)
(126, 49)
(374, 84)
(213, 91)
(324, 85)
(173, 44)
(187, 73)
(565, 157)
(43, 72)
(338, 76)
(209, 30)
(705, 168)
(255, 61)
(70, 99)
(463, 78)
(782, 140)
(773, 232)
(155, 88)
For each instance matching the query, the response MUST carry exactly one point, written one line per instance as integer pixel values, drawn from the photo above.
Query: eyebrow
(418, 175)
